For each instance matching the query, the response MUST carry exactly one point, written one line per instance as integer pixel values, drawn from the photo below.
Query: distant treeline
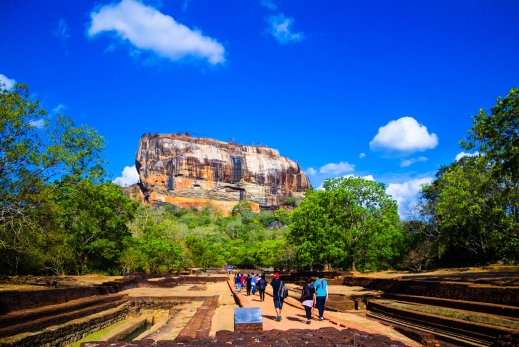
(58, 214)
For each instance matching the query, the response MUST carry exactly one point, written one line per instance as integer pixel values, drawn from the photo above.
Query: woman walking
(262, 284)
(308, 299)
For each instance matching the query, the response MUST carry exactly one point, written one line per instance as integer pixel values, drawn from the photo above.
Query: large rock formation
(192, 172)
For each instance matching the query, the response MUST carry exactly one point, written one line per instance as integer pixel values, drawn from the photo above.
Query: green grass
(98, 335)
(451, 313)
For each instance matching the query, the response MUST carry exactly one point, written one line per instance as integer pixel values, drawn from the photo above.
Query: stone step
(494, 309)
(476, 330)
(44, 322)
(18, 317)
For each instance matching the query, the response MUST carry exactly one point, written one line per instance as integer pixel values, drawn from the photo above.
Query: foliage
(291, 202)
(496, 135)
(352, 221)
(418, 254)
(40, 158)
(471, 211)
(472, 207)
(93, 218)
(241, 207)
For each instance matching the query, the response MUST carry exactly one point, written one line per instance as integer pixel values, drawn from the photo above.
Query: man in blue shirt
(321, 294)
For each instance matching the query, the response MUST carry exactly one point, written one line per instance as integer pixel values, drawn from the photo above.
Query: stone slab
(247, 315)
(248, 319)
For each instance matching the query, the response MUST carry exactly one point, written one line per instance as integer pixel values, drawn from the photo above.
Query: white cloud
(268, 4)
(148, 29)
(6, 83)
(407, 192)
(367, 177)
(129, 176)
(404, 135)
(464, 154)
(40, 123)
(362, 155)
(310, 171)
(62, 32)
(408, 162)
(280, 29)
(337, 169)
(59, 108)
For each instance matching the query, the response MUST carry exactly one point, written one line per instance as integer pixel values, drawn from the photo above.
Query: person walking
(237, 281)
(242, 280)
(253, 284)
(248, 284)
(321, 294)
(278, 300)
(308, 299)
(261, 285)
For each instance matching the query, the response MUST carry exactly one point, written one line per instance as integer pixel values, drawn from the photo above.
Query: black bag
(305, 294)
(283, 291)
(262, 284)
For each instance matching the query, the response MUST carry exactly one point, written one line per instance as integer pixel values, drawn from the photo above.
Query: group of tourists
(314, 293)
(252, 283)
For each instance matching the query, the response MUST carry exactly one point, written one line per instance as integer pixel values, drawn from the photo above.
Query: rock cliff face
(192, 172)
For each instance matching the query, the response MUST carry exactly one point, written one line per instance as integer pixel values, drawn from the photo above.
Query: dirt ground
(493, 274)
(38, 282)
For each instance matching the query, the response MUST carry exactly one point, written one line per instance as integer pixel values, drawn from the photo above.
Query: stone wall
(62, 335)
(448, 290)
(15, 300)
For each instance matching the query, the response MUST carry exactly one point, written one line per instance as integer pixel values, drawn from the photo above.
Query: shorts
(278, 303)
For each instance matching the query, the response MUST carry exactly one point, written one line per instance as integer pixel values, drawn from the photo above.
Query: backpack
(305, 294)
(283, 291)
(261, 284)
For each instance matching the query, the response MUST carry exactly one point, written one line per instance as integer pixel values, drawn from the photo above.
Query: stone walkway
(294, 318)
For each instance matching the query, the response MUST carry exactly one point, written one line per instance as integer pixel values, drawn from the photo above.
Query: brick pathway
(294, 317)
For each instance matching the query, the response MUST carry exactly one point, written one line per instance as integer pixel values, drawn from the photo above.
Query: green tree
(471, 214)
(352, 221)
(39, 158)
(94, 220)
(496, 137)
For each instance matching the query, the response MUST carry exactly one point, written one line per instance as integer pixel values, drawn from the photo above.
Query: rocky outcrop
(192, 172)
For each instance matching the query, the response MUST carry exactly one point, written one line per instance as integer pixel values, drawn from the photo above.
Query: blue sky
(381, 89)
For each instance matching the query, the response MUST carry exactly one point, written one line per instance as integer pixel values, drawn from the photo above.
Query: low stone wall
(511, 340)
(70, 332)
(292, 337)
(494, 309)
(16, 300)
(473, 329)
(200, 324)
(448, 290)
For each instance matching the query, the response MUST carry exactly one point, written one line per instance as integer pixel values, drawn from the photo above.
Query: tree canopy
(40, 156)
(351, 222)
(473, 204)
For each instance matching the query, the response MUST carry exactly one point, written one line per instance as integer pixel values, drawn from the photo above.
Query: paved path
(294, 317)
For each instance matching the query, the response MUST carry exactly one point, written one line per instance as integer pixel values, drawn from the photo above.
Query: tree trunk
(353, 268)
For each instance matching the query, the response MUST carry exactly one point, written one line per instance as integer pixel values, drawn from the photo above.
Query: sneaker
(308, 322)
(278, 319)
(321, 319)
